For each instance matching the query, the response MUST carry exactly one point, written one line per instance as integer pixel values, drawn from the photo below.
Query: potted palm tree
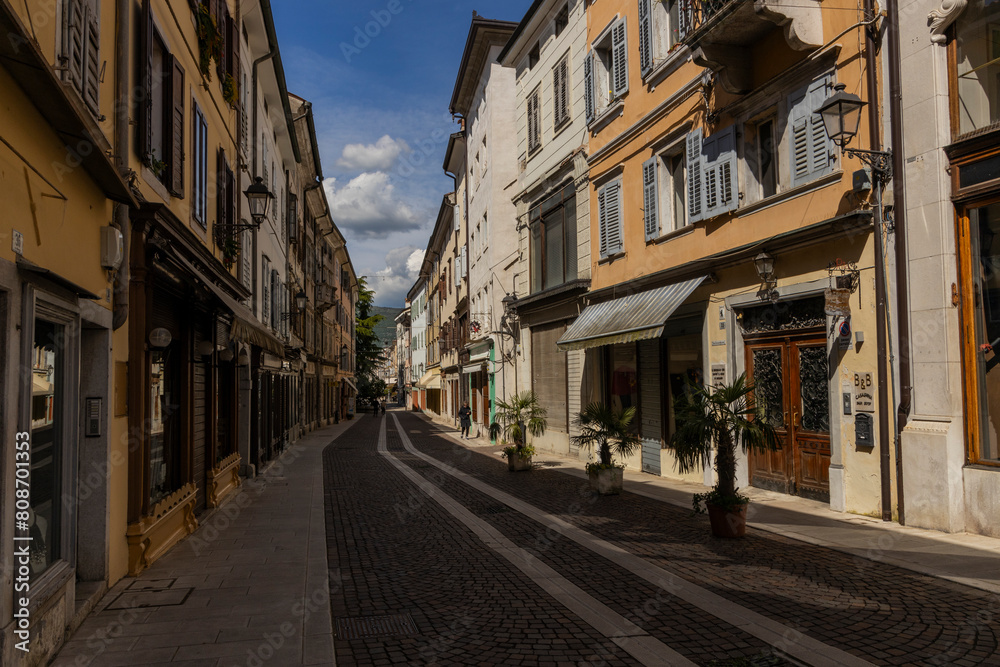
(610, 431)
(512, 422)
(726, 416)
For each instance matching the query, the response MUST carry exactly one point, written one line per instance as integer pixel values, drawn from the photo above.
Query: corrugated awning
(628, 319)
(350, 383)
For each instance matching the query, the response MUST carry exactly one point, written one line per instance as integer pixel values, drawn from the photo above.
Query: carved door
(791, 380)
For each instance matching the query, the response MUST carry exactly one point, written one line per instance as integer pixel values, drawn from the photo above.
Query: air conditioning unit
(112, 248)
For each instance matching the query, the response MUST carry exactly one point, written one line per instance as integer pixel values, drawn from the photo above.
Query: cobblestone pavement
(394, 549)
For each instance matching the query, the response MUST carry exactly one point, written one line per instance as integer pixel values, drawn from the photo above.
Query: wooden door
(791, 379)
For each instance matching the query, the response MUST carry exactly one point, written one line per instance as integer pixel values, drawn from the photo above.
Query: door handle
(795, 418)
(785, 420)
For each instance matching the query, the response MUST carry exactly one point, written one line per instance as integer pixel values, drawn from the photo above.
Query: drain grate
(138, 599)
(494, 509)
(367, 627)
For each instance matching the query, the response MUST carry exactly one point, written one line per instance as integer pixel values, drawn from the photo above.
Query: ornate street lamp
(258, 197)
(301, 300)
(841, 114)
(764, 264)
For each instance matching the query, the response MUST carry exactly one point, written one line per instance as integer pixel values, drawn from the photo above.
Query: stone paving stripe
(785, 639)
(624, 633)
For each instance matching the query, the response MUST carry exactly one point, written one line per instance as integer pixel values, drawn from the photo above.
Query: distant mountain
(386, 329)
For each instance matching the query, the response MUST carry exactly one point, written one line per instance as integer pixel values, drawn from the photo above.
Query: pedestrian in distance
(383, 408)
(465, 414)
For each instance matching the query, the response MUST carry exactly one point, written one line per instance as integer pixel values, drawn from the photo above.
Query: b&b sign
(864, 393)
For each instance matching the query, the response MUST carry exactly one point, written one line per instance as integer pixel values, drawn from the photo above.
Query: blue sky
(380, 85)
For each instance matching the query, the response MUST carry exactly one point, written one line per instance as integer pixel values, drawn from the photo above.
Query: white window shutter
(719, 173)
(692, 156)
(619, 49)
(651, 198)
(611, 224)
(458, 221)
(645, 37)
(811, 151)
(588, 85)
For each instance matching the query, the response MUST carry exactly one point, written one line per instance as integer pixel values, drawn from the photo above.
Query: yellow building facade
(706, 153)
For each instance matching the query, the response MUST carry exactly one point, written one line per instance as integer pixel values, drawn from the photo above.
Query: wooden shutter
(145, 143)
(233, 58)
(645, 37)
(91, 89)
(719, 173)
(811, 151)
(222, 21)
(176, 129)
(651, 198)
(684, 18)
(221, 195)
(73, 42)
(564, 89)
(610, 218)
(246, 257)
(692, 157)
(619, 49)
(548, 375)
(588, 85)
(265, 292)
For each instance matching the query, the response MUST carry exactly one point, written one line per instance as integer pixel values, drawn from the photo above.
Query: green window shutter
(650, 198)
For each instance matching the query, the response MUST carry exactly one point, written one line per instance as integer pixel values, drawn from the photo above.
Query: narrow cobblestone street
(437, 555)
(644, 569)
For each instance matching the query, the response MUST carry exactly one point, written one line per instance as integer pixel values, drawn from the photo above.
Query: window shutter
(265, 294)
(220, 194)
(588, 85)
(92, 60)
(531, 122)
(683, 19)
(645, 37)
(233, 61)
(274, 299)
(246, 255)
(692, 156)
(73, 42)
(719, 173)
(146, 113)
(651, 198)
(561, 92)
(176, 127)
(610, 214)
(222, 21)
(458, 220)
(619, 49)
(811, 149)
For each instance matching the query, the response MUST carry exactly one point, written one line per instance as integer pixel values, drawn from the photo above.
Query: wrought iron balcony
(722, 33)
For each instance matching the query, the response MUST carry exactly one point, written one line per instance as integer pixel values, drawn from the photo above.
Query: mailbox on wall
(864, 434)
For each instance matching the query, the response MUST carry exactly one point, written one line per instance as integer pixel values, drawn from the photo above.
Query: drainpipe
(121, 215)
(253, 142)
(881, 306)
(899, 215)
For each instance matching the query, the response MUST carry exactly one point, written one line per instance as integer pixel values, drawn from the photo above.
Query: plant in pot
(513, 421)
(726, 417)
(610, 432)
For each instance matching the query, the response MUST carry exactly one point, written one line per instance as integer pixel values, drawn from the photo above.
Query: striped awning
(625, 320)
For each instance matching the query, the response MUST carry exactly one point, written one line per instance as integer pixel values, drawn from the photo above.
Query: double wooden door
(791, 380)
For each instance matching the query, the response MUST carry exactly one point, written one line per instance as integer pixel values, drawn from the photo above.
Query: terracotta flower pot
(607, 482)
(516, 463)
(729, 523)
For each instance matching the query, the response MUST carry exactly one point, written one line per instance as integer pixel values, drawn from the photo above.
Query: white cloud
(383, 154)
(369, 208)
(402, 266)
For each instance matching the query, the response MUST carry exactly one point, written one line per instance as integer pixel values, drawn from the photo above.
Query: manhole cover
(170, 597)
(365, 627)
(151, 585)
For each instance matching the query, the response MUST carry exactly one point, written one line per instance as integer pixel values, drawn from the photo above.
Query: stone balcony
(722, 33)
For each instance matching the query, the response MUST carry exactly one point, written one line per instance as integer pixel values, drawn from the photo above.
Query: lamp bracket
(880, 162)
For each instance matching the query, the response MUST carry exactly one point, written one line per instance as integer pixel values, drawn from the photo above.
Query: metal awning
(350, 384)
(245, 325)
(627, 319)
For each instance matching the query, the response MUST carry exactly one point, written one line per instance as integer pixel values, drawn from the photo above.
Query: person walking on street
(465, 414)
(383, 408)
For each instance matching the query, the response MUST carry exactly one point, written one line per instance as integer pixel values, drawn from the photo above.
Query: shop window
(684, 370)
(624, 389)
(48, 406)
(977, 66)
(553, 240)
(164, 420)
(984, 235)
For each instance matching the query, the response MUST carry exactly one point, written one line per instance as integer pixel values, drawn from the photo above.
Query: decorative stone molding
(171, 520)
(801, 19)
(941, 18)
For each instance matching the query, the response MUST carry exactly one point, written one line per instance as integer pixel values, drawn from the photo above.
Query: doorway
(791, 380)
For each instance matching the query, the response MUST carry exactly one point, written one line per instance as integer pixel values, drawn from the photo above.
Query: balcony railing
(693, 14)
